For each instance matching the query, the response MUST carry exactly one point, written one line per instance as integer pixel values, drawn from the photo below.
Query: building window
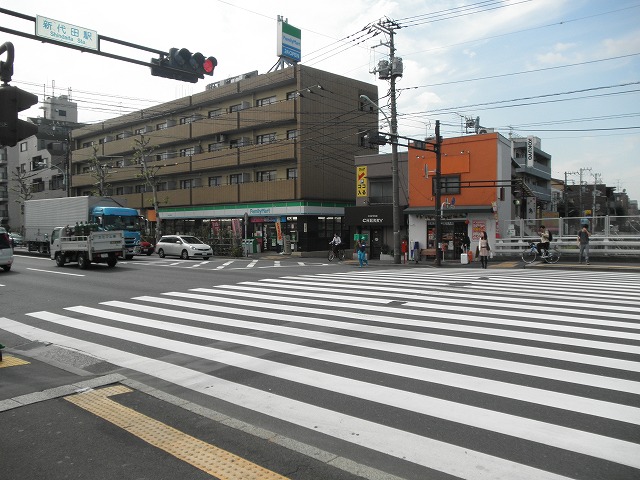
(23, 146)
(215, 113)
(266, 176)
(292, 95)
(141, 188)
(292, 173)
(87, 144)
(291, 134)
(186, 184)
(267, 138)
(235, 108)
(139, 131)
(62, 113)
(449, 184)
(216, 147)
(119, 190)
(161, 126)
(187, 152)
(187, 120)
(236, 178)
(215, 181)
(265, 101)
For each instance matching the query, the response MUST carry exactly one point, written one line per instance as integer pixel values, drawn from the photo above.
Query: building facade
(487, 180)
(276, 147)
(37, 167)
(372, 214)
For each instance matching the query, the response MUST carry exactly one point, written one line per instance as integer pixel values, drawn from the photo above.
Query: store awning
(449, 210)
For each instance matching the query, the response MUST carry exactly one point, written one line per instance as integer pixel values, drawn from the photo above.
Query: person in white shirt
(335, 242)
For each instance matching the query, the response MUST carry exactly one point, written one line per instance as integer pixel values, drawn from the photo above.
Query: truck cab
(120, 218)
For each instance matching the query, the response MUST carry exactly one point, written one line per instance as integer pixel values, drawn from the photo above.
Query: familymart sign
(289, 41)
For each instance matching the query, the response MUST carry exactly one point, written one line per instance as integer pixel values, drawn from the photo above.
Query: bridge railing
(610, 235)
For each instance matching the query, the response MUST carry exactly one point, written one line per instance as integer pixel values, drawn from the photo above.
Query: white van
(6, 250)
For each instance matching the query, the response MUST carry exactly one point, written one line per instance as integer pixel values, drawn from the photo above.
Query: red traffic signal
(181, 64)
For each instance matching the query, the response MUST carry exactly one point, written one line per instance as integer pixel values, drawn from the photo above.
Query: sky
(566, 71)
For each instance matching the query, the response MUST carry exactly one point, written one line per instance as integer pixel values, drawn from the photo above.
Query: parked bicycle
(531, 254)
(332, 254)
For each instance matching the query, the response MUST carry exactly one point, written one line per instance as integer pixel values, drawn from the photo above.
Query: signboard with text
(289, 41)
(361, 182)
(66, 33)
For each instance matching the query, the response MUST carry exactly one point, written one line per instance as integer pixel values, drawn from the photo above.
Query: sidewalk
(59, 424)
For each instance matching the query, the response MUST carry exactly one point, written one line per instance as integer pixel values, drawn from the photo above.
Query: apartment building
(278, 147)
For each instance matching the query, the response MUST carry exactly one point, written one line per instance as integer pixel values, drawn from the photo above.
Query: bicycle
(531, 254)
(332, 254)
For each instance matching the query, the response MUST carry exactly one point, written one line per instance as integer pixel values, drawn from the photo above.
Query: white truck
(42, 216)
(95, 247)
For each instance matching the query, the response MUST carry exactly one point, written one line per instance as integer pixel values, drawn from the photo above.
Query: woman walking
(362, 253)
(483, 247)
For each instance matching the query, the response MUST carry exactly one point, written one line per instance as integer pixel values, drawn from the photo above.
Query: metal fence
(610, 235)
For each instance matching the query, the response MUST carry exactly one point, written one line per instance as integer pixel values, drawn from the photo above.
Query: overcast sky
(567, 71)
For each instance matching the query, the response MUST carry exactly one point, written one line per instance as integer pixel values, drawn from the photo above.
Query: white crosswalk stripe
(500, 374)
(235, 264)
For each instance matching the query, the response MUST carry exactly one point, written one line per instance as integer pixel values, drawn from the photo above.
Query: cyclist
(544, 241)
(336, 244)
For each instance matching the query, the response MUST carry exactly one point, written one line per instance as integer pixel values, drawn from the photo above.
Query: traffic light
(181, 65)
(12, 101)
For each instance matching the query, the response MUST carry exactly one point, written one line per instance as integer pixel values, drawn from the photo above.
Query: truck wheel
(59, 259)
(184, 255)
(161, 253)
(6, 268)
(112, 260)
(83, 261)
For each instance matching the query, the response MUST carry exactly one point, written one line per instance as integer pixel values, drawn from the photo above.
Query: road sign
(66, 33)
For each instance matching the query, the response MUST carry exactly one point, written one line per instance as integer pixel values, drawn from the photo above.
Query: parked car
(183, 246)
(147, 248)
(16, 239)
(6, 250)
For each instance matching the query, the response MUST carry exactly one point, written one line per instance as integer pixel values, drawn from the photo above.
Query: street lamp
(394, 178)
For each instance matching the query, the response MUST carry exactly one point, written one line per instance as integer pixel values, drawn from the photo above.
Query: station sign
(63, 32)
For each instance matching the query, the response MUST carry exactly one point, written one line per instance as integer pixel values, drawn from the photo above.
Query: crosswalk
(506, 374)
(233, 264)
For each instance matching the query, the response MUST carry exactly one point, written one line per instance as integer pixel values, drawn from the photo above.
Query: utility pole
(438, 195)
(390, 70)
(581, 213)
(564, 193)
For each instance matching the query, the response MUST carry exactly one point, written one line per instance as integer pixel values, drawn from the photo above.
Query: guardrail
(613, 245)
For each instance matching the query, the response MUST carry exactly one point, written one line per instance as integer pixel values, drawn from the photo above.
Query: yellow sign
(362, 183)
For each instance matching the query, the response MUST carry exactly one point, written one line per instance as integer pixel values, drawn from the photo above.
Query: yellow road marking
(9, 361)
(212, 460)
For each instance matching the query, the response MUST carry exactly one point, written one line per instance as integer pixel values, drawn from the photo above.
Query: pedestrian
(362, 254)
(484, 249)
(466, 243)
(583, 243)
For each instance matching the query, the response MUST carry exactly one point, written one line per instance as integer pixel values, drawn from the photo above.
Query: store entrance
(453, 232)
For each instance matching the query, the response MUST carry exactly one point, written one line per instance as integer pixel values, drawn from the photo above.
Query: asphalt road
(320, 370)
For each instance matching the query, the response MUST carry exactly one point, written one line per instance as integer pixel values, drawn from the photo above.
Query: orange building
(476, 195)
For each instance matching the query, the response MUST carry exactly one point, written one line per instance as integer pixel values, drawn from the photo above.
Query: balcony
(215, 195)
(280, 112)
(268, 191)
(167, 136)
(268, 152)
(211, 126)
(227, 157)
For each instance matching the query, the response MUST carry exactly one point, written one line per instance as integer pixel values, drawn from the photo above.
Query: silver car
(183, 246)
(6, 250)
